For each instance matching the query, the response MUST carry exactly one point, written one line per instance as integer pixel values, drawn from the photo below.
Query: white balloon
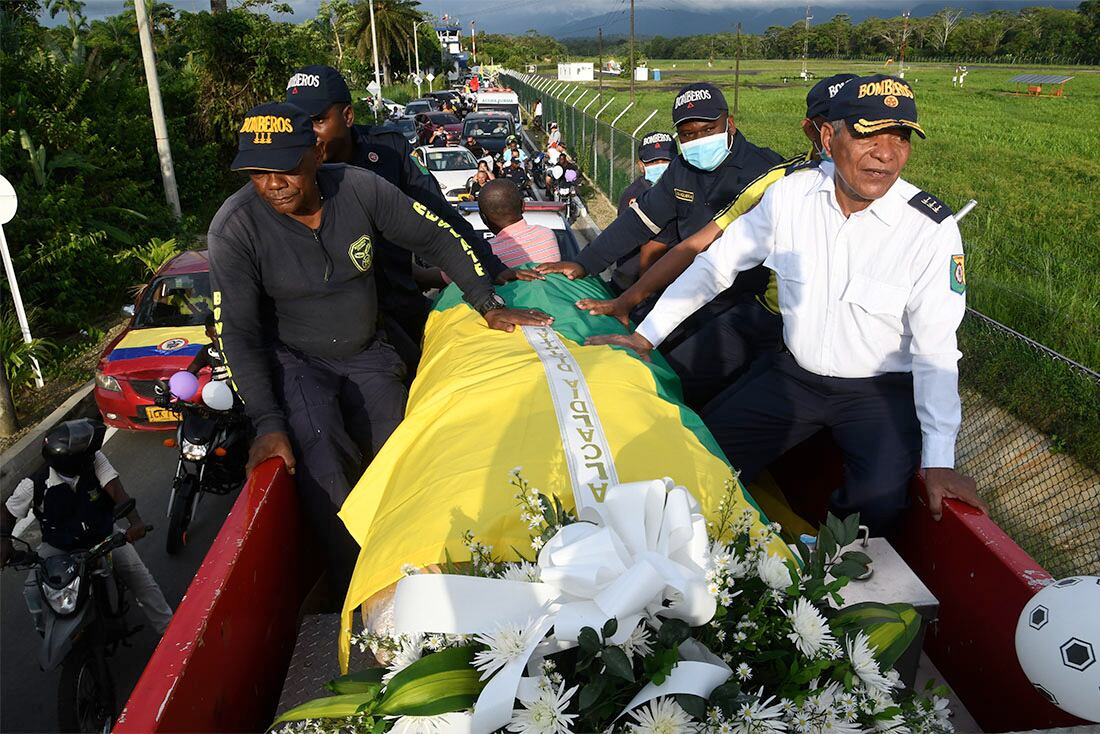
(217, 395)
(557, 171)
(1058, 644)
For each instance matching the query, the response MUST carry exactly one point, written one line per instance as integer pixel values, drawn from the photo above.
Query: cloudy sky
(516, 16)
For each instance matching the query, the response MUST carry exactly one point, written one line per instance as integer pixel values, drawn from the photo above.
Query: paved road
(28, 696)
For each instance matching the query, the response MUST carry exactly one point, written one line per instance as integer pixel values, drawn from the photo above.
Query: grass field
(1033, 243)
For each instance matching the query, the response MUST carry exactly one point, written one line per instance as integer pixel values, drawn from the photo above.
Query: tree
(393, 25)
(943, 23)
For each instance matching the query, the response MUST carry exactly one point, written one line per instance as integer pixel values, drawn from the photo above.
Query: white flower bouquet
(645, 619)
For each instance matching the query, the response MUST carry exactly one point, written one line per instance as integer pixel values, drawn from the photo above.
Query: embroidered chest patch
(361, 253)
(958, 273)
(682, 195)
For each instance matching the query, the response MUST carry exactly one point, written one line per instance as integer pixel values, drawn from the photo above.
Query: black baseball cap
(873, 103)
(820, 97)
(316, 88)
(273, 137)
(699, 101)
(656, 146)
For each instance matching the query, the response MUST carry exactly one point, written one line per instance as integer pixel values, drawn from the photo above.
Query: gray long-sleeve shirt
(276, 281)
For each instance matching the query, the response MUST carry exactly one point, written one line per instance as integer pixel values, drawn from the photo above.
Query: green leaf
(591, 693)
(673, 632)
(589, 641)
(851, 528)
(695, 706)
(890, 628)
(836, 527)
(329, 707)
(618, 664)
(610, 627)
(850, 569)
(548, 510)
(363, 681)
(435, 684)
(857, 556)
(826, 544)
(803, 551)
(725, 696)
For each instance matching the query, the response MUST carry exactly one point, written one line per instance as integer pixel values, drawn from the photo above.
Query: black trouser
(339, 413)
(714, 357)
(872, 419)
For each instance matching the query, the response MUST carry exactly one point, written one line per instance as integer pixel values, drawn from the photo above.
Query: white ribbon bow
(640, 553)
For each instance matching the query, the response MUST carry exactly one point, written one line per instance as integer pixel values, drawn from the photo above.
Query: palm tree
(393, 25)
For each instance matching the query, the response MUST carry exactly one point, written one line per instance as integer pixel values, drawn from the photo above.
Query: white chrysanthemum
(893, 725)
(638, 643)
(773, 571)
(662, 716)
(941, 711)
(412, 647)
(743, 671)
(864, 664)
(759, 718)
(522, 572)
(810, 632)
(427, 724)
(545, 714)
(505, 644)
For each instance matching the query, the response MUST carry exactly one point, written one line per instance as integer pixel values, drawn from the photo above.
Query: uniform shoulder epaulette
(801, 164)
(930, 206)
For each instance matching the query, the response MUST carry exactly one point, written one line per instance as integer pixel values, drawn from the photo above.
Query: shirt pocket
(876, 297)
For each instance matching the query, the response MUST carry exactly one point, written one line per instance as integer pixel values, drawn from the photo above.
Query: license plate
(157, 414)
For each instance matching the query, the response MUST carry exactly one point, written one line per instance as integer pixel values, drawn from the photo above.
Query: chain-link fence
(1031, 417)
(603, 153)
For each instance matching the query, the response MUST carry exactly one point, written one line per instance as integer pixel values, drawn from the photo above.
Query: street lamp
(416, 52)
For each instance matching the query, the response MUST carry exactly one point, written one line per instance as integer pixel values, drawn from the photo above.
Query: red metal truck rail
(220, 666)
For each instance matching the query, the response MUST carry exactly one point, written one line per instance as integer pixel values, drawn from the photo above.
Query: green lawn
(1032, 164)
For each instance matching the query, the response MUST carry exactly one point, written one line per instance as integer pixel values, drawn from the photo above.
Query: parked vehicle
(213, 449)
(425, 104)
(496, 99)
(393, 109)
(78, 606)
(490, 129)
(450, 124)
(164, 334)
(453, 96)
(549, 214)
(406, 124)
(452, 167)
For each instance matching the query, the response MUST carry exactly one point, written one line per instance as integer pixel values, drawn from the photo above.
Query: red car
(165, 333)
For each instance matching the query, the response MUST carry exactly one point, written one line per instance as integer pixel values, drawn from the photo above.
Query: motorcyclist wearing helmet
(553, 138)
(73, 496)
(514, 151)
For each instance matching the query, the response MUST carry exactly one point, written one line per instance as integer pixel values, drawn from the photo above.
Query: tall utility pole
(473, 39)
(737, 70)
(599, 35)
(904, 39)
(160, 127)
(374, 49)
(632, 51)
(416, 52)
(806, 44)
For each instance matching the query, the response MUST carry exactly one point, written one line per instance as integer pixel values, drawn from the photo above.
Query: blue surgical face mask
(653, 171)
(707, 153)
(821, 152)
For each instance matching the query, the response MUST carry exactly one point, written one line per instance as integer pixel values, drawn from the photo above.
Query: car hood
(453, 179)
(161, 350)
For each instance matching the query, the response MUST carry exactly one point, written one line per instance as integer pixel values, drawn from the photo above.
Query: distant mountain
(673, 22)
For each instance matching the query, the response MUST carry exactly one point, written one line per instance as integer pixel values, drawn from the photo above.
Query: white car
(549, 214)
(451, 166)
(393, 109)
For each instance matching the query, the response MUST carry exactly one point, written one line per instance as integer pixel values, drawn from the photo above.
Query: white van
(502, 100)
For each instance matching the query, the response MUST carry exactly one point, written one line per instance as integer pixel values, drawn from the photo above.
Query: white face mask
(824, 154)
(707, 153)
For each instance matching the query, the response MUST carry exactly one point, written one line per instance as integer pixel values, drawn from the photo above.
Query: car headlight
(63, 600)
(107, 382)
(193, 451)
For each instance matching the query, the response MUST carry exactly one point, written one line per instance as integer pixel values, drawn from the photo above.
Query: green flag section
(482, 404)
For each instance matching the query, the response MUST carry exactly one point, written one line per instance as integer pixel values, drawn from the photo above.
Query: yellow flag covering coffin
(482, 404)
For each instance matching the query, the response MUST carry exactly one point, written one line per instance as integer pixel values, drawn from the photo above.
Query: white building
(579, 72)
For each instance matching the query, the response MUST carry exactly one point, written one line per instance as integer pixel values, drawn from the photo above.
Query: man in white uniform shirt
(871, 289)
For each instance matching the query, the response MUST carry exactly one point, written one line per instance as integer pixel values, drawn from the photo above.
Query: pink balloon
(570, 175)
(183, 385)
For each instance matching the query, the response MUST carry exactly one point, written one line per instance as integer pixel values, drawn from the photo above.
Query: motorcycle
(79, 609)
(564, 186)
(538, 169)
(213, 450)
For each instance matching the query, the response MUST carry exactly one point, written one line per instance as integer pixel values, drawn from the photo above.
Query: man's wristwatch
(492, 303)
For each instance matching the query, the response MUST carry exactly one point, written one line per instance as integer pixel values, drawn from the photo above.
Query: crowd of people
(791, 295)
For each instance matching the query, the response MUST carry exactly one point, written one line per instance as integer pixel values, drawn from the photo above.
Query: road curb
(25, 455)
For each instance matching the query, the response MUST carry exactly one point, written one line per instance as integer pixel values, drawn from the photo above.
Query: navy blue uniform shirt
(684, 195)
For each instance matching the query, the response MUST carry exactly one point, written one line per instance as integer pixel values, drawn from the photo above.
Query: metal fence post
(595, 141)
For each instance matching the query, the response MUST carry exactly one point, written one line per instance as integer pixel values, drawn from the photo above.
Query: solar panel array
(1039, 79)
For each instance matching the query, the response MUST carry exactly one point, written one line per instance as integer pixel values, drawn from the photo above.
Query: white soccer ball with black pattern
(1058, 644)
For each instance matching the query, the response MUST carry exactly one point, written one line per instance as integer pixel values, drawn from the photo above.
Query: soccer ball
(1058, 644)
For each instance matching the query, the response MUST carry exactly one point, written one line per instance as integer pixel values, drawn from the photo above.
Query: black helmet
(70, 447)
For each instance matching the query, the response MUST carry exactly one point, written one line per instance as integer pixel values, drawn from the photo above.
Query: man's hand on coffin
(269, 446)
(613, 307)
(507, 319)
(635, 342)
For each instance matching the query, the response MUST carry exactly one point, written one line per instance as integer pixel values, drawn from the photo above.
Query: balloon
(570, 175)
(556, 171)
(183, 385)
(217, 395)
(1058, 643)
